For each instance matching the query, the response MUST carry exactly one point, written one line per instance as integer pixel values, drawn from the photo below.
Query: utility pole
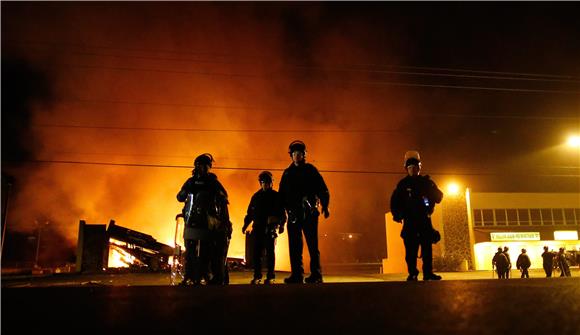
(8, 181)
(38, 242)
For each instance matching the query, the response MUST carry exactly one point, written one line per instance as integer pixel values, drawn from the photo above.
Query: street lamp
(573, 141)
(452, 189)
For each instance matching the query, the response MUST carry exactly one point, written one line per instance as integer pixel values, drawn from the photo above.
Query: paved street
(351, 304)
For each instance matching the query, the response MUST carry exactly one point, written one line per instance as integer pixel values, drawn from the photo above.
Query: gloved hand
(280, 229)
(326, 213)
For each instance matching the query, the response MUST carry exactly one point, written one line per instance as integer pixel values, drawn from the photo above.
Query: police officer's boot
(412, 277)
(314, 279)
(294, 279)
(256, 280)
(431, 276)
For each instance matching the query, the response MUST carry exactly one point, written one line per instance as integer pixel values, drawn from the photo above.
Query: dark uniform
(563, 263)
(267, 213)
(509, 266)
(548, 262)
(500, 262)
(207, 228)
(301, 189)
(523, 264)
(413, 202)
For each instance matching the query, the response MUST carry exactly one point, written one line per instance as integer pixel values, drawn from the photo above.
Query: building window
(569, 217)
(536, 217)
(512, 217)
(524, 216)
(487, 215)
(547, 217)
(477, 219)
(500, 217)
(557, 214)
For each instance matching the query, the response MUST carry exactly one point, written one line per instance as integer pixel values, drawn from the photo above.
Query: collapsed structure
(100, 247)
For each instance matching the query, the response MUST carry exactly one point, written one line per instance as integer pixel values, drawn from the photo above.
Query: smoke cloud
(146, 87)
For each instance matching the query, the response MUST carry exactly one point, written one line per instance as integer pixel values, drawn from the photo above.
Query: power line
(297, 131)
(222, 158)
(362, 82)
(269, 108)
(209, 106)
(151, 103)
(107, 47)
(260, 58)
(447, 75)
(502, 75)
(226, 158)
(224, 130)
(496, 76)
(398, 173)
(477, 88)
(573, 78)
(519, 117)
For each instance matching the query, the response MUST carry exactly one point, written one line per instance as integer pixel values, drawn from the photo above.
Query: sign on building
(519, 236)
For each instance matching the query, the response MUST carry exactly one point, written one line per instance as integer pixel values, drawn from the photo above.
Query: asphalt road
(476, 306)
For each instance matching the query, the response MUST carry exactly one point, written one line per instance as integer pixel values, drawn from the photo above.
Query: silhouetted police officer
(302, 189)
(562, 262)
(523, 263)
(500, 262)
(267, 213)
(412, 203)
(548, 261)
(207, 225)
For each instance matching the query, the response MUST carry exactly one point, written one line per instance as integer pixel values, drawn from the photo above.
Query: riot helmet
(297, 146)
(412, 157)
(203, 159)
(265, 177)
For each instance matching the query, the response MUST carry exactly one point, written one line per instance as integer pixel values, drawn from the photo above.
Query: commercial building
(474, 225)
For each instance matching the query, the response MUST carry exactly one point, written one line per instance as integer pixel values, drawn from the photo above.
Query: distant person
(563, 263)
(412, 203)
(500, 263)
(267, 213)
(548, 261)
(207, 225)
(507, 255)
(303, 190)
(523, 264)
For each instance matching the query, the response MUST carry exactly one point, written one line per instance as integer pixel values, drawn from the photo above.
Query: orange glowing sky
(158, 84)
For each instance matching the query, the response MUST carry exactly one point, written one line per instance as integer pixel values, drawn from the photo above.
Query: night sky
(105, 105)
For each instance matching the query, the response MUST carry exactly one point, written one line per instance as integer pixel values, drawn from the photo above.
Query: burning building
(100, 248)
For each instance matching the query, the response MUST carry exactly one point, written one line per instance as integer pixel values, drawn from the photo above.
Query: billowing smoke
(137, 90)
(158, 85)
